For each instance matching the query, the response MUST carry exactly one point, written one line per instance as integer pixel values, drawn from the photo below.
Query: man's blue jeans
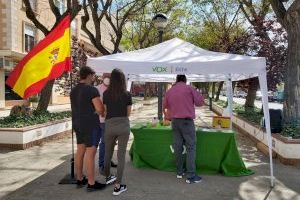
(101, 146)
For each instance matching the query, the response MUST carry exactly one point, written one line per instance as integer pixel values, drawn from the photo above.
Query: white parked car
(270, 96)
(258, 95)
(241, 94)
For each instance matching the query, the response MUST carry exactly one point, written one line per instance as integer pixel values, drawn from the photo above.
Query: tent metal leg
(229, 97)
(264, 90)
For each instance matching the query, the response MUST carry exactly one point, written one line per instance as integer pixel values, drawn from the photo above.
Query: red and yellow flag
(49, 59)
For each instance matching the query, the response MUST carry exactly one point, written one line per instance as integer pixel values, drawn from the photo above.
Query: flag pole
(70, 178)
(72, 159)
(71, 87)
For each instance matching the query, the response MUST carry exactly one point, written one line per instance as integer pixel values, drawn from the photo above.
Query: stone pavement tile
(153, 184)
(19, 167)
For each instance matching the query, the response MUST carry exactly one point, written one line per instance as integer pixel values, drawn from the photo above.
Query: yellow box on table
(221, 122)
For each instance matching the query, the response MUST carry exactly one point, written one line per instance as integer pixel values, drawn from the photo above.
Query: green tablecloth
(216, 151)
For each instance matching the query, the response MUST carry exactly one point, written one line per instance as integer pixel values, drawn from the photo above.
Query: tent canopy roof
(163, 61)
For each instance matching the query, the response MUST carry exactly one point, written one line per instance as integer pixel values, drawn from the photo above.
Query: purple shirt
(181, 100)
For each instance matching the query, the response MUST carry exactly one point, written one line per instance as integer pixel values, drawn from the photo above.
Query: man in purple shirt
(180, 101)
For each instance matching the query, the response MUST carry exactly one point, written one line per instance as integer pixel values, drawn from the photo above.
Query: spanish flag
(49, 59)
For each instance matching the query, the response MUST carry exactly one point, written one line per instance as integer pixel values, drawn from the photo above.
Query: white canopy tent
(162, 62)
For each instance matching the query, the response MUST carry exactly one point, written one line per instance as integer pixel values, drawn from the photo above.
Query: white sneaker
(110, 179)
(180, 176)
(119, 190)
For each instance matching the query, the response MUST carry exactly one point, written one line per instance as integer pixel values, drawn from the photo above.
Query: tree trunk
(220, 86)
(291, 105)
(206, 90)
(252, 89)
(154, 89)
(45, 96)
(233, 86)
(213, 90)
(150, 90)
(147, 92)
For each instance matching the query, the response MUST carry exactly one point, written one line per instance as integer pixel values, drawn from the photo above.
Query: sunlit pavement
(34, 174)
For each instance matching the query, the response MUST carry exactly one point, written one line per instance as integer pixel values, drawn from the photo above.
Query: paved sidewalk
(34, 174)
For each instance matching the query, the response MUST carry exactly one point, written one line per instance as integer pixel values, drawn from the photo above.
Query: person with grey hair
(101, 89)
(180, 101)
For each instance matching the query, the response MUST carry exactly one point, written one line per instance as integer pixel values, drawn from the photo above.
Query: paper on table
(215, 130)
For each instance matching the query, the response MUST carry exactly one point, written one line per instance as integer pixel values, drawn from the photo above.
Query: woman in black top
(117, 102)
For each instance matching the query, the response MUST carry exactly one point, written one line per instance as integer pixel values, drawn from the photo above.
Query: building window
(7, 63)
(61, 5)
(1, 61)
(74, 27)
(29, 37)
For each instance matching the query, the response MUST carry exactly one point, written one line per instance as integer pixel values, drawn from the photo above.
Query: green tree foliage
(218, 26)
(140, 31)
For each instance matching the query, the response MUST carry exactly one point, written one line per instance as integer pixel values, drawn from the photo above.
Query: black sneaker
(81, 183)
(96, 186)
(194, 179)
(110, 179)
(112, 164)
(119, 190)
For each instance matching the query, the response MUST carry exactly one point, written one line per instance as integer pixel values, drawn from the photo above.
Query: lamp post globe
(160, 21)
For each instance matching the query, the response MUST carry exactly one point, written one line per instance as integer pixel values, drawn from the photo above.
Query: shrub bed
(290, 129)
(36, 117)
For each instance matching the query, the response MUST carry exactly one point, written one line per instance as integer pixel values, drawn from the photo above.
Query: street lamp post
(160, 22)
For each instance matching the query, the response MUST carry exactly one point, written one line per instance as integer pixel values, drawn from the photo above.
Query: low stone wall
(22, 138)
(150, 101)
(60, 99)
(285, 149)
(11, 103)
(137, 106)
